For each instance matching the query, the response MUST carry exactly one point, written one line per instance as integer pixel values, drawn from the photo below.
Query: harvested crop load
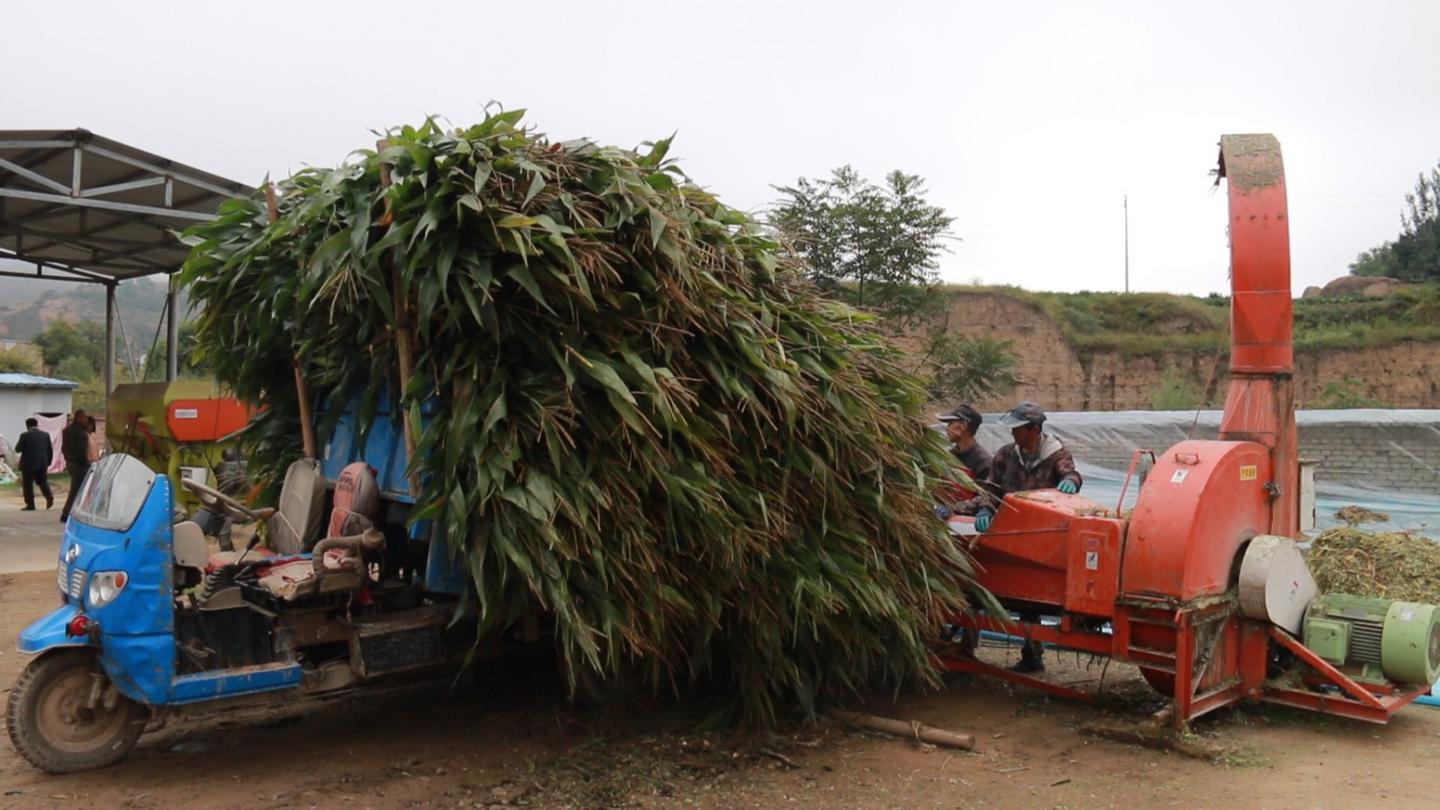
(1390, 565)
(1355, 515)
(645, 422)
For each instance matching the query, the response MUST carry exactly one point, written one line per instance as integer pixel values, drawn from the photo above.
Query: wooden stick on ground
(1157, 738)
(903, 728)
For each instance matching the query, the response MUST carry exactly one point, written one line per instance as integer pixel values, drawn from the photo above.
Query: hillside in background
(1075, 351)
(27, 306)
(1108, 351)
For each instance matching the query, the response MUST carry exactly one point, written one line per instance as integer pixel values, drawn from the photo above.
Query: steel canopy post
(172, 331)
(109, 346)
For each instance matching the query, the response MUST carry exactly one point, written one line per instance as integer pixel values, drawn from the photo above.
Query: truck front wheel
(64, 715)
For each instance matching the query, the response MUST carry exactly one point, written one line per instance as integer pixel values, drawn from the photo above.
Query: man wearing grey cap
(1035, 460)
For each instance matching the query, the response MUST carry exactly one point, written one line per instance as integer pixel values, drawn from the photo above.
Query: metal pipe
(107, 205)
(369, 540)
(116, 188)
(1261, 318)
(1260, 403)
(109, 348)
(172, 331)
(188, 179)
(34, 177)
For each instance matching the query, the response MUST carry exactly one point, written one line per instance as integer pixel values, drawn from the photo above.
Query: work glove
(983, 518)
(943, 512)
(1068, 487)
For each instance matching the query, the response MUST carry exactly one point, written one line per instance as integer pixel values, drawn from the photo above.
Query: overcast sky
(1029, 120)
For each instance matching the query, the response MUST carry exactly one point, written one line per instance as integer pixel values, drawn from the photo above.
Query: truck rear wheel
(64, 715)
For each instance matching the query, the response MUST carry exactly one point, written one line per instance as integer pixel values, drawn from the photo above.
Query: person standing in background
(35, 456)
(75, 448)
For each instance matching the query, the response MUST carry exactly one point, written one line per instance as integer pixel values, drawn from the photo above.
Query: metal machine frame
(1157, 588)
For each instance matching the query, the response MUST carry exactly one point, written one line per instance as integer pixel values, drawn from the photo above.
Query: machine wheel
(50, 720)
(1162, 682)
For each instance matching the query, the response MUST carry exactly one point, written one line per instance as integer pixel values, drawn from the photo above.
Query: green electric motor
(1383, 640)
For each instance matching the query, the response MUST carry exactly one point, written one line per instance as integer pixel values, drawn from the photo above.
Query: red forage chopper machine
(1202, 586)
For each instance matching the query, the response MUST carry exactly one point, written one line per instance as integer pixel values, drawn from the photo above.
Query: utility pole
(1126, 204)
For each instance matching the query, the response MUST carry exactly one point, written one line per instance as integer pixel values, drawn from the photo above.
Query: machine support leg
(1322, 666)
(959, 664)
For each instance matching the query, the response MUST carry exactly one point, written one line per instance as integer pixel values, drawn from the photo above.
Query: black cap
(1026, 413)
(963, 413)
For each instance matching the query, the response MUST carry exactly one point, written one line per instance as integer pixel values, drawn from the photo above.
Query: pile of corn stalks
(1392, 565)
(645, 423)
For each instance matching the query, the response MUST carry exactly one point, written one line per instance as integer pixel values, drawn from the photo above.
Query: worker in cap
(1034, 460)
(961, 424)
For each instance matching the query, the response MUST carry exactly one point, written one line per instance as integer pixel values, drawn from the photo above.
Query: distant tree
(155, 361)
(1378, 261)
(62, 341)
(885, 240)
(13, 360)
(75, 369)
(1415, 253)
(969, 369)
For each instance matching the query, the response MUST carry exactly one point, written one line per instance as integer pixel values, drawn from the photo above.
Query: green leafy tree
(969, 369)
(884, 240)
(1415, 254)
(75, 369)
(1378, 261)
(188, 367)
(62, 340)
(13, 360)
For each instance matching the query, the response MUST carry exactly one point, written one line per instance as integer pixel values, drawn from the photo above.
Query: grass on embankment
(1148, 324)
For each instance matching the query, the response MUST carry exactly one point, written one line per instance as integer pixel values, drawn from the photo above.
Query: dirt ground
(509, 739)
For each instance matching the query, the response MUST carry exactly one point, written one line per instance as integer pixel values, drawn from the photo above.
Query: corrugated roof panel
(10, 379)
(73, 199)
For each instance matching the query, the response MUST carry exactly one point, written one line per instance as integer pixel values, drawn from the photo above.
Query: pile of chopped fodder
(1393, 565)
(1355, 515)
(640, 418)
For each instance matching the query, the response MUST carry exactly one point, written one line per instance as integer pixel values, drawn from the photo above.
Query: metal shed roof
(93, 209)
(17, 380)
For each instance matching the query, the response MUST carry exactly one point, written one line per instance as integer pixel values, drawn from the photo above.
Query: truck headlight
(105, 586)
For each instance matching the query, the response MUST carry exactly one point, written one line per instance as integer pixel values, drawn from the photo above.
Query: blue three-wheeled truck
(335, 590)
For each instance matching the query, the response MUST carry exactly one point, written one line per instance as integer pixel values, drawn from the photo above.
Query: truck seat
(357, 501)
(302, 497)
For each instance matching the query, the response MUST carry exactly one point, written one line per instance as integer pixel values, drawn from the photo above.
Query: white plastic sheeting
(1404, 441)
(1408, 512)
